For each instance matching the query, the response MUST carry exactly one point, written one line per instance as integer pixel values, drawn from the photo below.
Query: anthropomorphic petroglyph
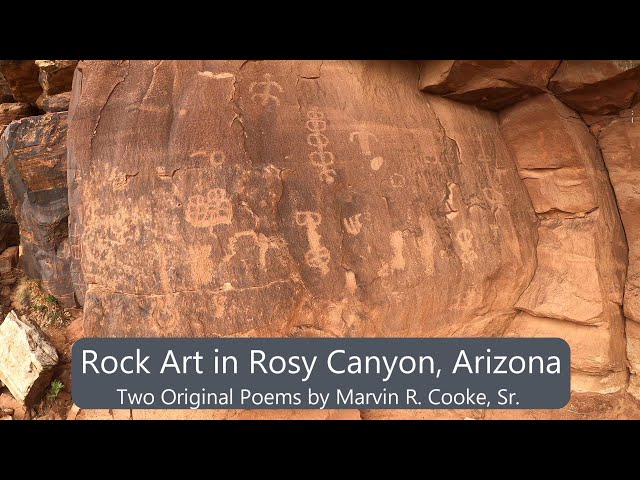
(317, 256)
(364, 140)
(201, 264)
(352, 224)
(464, 240)
(494, 198)
(266, 95)
(320, 158)
(260, 240)
(207, 212)
(396, 240)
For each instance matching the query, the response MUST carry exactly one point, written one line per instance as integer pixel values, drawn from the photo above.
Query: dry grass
(43, 308)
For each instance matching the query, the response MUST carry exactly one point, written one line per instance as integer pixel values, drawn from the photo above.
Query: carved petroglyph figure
(207, 212)
(201, 264)
(464, 239)
(493, 197)
(398, 180)
(320, 157)
(317, 256)
(396, 240)
(214, 158)
(260, 240)
(352, 224)
(267, 87)
(363, 138)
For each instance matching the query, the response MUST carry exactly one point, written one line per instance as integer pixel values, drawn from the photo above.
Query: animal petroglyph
(266, 93)
(396, 240)
(317, 256)
(214, 158)
(493, 197)
(320, 157)
(207, 212)
(464, 238)
(260, 240)
(364, 140)
(352, 224)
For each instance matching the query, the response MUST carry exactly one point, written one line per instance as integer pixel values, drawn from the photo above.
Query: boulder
(14, 111)
(597, 87)
(55, 103)
(22, 78)
(279, 198)
(8, 259)
(491, 84)
(33, 166)
(576, 292)
(27, 359)
(56, 76)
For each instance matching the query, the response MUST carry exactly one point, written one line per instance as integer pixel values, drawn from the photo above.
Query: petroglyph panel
(278, 198)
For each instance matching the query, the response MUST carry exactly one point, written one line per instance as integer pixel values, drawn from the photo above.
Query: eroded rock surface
(576, 293)
(597, 87)
(33, 167)
(14, 111)
(22, 78)
(286, 198)
(492, 84)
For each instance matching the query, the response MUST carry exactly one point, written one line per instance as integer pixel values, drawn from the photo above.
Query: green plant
(56, 387)
(45, 308)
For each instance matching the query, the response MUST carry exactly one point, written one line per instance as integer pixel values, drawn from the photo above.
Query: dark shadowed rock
(597, 86)
(492, 84)
(14, 111)
(22, 78)
(5, 91)
(33, 155)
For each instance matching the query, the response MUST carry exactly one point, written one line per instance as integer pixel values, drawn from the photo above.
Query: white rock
(27, 359)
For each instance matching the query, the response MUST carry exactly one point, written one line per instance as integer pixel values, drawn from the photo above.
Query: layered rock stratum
(338, 198)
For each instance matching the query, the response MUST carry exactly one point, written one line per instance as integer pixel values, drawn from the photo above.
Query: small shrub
(45, 308)
(56, 387)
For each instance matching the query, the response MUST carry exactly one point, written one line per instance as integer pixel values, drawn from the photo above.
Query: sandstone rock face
(597, 86)
(289, 198)
(33, 168)
(491, 84)
(619, 140)
(576, 293)
(22, 78)
(27, 359)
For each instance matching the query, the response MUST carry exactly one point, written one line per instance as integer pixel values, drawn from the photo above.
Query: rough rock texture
(597, 86)
(5, 91)
(619, 140)
(576, 293)
(33, 168)
(8, 259)
(22, 78)
(14, 111)
(55, 103)
(289, 198)
(56, 76)
(492, 84)
(27, 359)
